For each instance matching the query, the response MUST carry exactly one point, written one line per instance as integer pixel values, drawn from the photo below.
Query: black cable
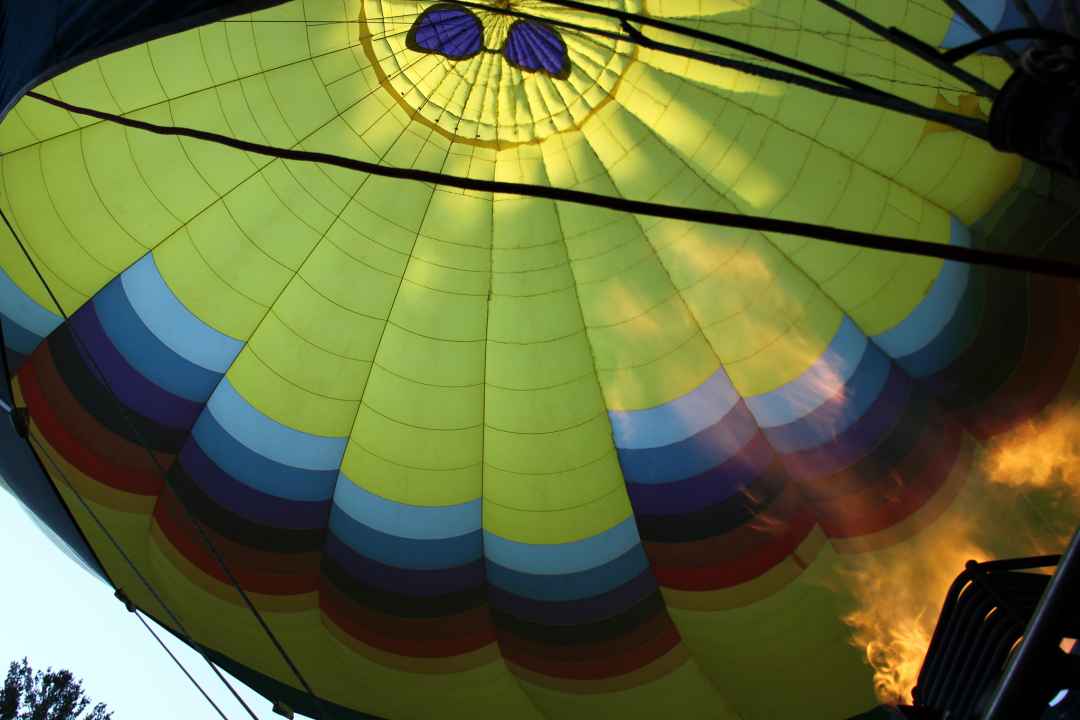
(962, 51)
(913, 45)
(626, 17)
(972, 20)
(870, 96)
(840, 85)
(1008, 261)
(157, 596)
(31, 440)
(1029, 15)
(165, 477)
(180, 665)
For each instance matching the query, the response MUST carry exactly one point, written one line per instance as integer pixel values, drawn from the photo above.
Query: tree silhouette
(48, 695)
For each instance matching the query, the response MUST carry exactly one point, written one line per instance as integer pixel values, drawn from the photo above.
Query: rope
(974, 256)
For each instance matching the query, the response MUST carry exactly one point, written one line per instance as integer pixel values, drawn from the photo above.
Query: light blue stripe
(406, 552)
(807, 392)
(562, 558)
(675, 420)
(695, 455)
(587, 584)
(860, 392)
(934, 312)
(20, 308)
(415, 522)
(271, 439)
(258, 472)
(173, 324)
(144, 352)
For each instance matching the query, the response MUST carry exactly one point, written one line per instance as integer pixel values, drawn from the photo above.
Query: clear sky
(55, 613)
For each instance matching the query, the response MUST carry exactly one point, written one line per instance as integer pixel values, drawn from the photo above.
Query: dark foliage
(48, 695)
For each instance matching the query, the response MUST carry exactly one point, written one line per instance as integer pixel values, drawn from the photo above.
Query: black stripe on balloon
(730, 514)
(400, 604)
(229, 525)
(86, 387)
(586, 634)
(1000, 319)
(918, 418)
(974, 256)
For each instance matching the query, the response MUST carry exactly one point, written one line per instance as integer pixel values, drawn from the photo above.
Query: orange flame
(899, 599)
(899, 591)
(1040, 454)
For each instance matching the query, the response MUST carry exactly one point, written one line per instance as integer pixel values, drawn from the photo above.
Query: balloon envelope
(489, 455)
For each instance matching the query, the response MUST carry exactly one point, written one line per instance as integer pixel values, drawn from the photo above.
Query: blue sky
(55, 613)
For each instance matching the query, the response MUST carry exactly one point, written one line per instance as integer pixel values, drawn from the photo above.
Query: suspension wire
(914, 46)
(972, 20)
(974, 256)
(847, 88)
(1029, 15)
(207, 542)
(971, 126)
(625, 17)
(30, 441)
(870, 94)
(185, 635)
(961, 51)
(179, 664)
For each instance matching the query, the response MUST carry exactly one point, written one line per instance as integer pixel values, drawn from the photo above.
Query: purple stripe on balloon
(575, 612)
(247, 502)
(403, 581)
(860, 439)
(706, 489)
(135, 391)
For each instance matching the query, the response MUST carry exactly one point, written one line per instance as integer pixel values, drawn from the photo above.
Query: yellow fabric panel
(281, 399)
(203, 291)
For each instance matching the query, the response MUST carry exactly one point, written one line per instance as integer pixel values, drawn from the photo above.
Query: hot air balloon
(425, 445)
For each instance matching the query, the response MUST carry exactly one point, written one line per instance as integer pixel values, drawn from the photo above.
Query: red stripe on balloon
(620, 655)
(247, 566)
(72, 432)
(420, 637)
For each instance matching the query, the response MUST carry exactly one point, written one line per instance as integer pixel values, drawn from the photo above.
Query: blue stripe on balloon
(258, 471)
(562, 558)
(244, 500)
(957, 335)
(933, 313)
(580, 611)
(808, 391)
(18, 338)
(133, 390)
(403, 581)
(24, 311)
(172, 323)
(838, 413)
(699, 453)
(575, 586)
(401, 552)
(144, 352)
(415, 522)
(271, 439)
(858, 440)
(676, 420)
(707, 489)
